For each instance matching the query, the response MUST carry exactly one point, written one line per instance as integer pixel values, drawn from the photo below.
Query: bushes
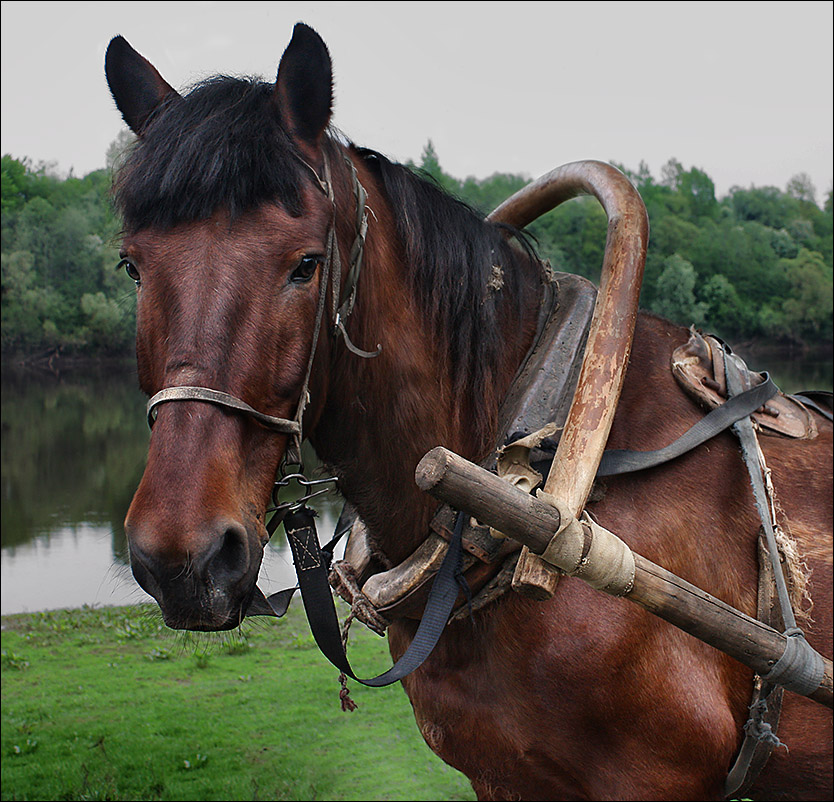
(757, 263)
(59, 246)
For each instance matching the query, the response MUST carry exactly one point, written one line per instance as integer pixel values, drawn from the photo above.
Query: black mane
(221, 145)
(466, 273)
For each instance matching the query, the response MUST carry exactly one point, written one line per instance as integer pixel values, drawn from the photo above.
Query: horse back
(696, 516)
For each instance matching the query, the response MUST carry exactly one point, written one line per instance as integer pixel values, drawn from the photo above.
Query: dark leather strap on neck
(617, 461)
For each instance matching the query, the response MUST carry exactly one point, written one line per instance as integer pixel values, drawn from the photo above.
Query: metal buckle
(309, 484)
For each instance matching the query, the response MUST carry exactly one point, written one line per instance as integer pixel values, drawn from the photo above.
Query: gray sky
(741, 90)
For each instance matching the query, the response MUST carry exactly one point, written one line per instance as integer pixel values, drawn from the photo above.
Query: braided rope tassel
(348, 705)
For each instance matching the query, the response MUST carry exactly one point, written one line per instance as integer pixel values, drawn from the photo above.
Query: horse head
(226, 234)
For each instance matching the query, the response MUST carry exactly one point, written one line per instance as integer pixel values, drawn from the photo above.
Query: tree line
(59, 250)
(754, 264)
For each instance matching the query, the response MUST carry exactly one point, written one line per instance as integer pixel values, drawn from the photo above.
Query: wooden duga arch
(245, 232)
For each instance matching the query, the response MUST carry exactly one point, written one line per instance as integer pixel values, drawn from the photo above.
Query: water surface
(73, 452)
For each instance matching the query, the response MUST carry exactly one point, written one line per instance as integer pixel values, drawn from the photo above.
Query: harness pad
(698, 366)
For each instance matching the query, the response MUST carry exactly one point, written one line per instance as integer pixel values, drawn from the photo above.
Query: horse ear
(304, 89)
(134, 82)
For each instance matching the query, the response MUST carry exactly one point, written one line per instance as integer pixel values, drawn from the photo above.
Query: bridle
(342, 301)
(298, 519)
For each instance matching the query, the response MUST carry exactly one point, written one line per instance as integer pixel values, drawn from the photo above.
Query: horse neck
(382, 415)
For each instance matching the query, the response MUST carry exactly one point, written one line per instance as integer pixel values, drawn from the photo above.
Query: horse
(234, 197)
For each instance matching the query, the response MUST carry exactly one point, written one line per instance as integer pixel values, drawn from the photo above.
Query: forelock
(219, 146)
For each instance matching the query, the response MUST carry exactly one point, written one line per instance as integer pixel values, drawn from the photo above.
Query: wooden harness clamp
(609, 340)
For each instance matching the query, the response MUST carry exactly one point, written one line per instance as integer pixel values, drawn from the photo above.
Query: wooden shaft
(615, 314)
(466, 486)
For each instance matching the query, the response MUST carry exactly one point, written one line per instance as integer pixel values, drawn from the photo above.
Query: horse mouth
(214, 593)
(217, 618)
(213, 618)
(204, 609)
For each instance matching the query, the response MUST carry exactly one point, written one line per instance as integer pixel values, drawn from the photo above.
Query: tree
(13, 174)
(807, 309)
(675, 293)
(698, 189)
(802, 188)
(108, 324)
(766, 205)
(671, 173)
(57, 246)
(118, 149)
(723, 310)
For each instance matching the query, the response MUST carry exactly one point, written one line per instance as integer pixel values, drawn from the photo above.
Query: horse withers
(240, 213)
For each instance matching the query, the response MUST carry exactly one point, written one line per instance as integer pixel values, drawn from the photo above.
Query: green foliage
(58, 247)
(760, 259)
(806, 312)
(675, 291)
(755, 264)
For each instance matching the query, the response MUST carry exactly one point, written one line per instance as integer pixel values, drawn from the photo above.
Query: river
(73, 451)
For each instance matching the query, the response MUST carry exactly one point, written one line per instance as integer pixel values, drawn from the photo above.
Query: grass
(109, 704)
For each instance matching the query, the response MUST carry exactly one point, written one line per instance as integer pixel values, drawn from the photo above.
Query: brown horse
(226, 233)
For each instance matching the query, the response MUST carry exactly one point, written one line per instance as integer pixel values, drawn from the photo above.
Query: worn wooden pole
(466, 486)
(604, 363)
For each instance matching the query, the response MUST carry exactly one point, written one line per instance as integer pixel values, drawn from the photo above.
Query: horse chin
(200, 610)
(217, 616)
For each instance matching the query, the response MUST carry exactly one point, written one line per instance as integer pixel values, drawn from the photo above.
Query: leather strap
(312, 571)
(618, 461)
(190, 393)
(819, 400)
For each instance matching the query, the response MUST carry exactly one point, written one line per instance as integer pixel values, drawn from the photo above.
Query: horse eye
(306, 269)
(130, 269)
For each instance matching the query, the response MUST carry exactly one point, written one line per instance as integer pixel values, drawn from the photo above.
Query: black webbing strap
(819, 400)
(311, 568)
(800, 668)
(739, 406)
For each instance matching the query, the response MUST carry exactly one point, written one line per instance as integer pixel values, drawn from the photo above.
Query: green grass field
(109, 704)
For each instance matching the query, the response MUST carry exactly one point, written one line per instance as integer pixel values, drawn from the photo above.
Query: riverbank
(58, 362)
(109, 704)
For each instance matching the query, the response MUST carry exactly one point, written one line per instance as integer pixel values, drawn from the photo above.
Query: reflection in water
(68, 567)
(73, 449)
(792, 375)
(73, 452)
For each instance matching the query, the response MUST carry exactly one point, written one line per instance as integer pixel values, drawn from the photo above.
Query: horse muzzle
(203, 582)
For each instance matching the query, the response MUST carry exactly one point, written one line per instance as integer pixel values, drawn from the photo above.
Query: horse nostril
(230, 562)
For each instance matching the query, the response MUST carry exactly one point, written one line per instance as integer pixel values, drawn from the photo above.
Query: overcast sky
(741, 90)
